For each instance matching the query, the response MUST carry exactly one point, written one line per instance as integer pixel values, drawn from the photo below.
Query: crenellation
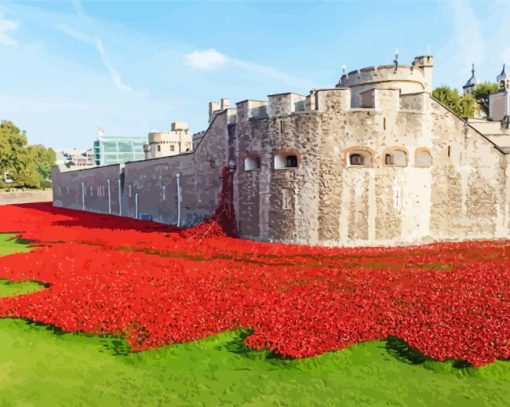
(374, 161)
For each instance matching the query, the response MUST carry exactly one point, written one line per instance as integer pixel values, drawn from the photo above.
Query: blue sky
(69, 67)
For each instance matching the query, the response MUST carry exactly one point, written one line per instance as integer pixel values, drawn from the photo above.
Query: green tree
(481, 94)
(463, 106)
(13, 155)
(43, 159)
(467, 106)
(30, 166)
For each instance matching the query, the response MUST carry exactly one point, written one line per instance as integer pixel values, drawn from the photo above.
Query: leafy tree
(30, 166)
(43, 159)
(463, 106)
(481, 94)
(467, 106)
(13, 142)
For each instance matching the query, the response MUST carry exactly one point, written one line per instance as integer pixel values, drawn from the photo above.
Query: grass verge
(40, 368)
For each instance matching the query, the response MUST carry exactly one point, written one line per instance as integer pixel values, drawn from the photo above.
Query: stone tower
(499, 103)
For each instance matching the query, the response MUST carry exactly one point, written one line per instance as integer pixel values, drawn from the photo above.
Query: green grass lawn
(41, 366)
(9, 244)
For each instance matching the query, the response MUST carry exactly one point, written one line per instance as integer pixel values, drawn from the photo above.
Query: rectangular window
(172, 147)
(159, 147)
(91, 191)
(163, 193)
(129, 190)
(388, 159)
(286, 199)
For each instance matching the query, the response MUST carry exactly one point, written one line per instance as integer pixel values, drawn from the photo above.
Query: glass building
(116, 150)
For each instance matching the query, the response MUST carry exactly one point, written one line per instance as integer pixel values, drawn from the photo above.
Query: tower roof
(502, 76)
(472, 81)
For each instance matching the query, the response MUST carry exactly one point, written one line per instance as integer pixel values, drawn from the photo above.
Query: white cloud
(6, 26)
(86, 39)
(211, 59)
(114, 73)
(206, 60)
(273, 73)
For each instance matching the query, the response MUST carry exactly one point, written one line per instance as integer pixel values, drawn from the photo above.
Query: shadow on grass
(50, 328)
(403, 352)
(9, 288)
(238, 347)
(399, 349)
(114, 345)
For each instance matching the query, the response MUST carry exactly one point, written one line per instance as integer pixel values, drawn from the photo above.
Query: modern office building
(117, 150)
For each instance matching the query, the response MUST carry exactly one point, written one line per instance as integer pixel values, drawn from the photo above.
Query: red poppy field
(158, 285)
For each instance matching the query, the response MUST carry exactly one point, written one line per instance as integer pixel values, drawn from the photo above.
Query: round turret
(408, 78)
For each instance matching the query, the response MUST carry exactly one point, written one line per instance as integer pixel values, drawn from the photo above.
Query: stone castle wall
(150, 187)
(462, 193)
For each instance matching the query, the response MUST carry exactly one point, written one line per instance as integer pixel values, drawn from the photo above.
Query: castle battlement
(410, 78)
(375, 160)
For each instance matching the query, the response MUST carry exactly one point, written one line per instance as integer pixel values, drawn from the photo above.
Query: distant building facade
(75, 158)
(165, 144)
(374, 160)
(117, 150)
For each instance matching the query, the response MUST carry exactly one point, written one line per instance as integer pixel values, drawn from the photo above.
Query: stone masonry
(373, 161)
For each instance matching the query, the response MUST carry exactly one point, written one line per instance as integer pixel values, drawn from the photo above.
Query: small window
(422, 158)
(356, 159)
(359, 158)
(251, 163)
(129, 190)
(291, 161)
(163, 193)
(172, 147)
(283, 161)
(159, 148)
(396, 158)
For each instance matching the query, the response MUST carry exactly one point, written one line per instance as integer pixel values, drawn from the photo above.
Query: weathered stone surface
(395, 197)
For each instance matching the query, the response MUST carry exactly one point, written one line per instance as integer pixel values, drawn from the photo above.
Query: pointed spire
(472, 81)
(502, 76)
